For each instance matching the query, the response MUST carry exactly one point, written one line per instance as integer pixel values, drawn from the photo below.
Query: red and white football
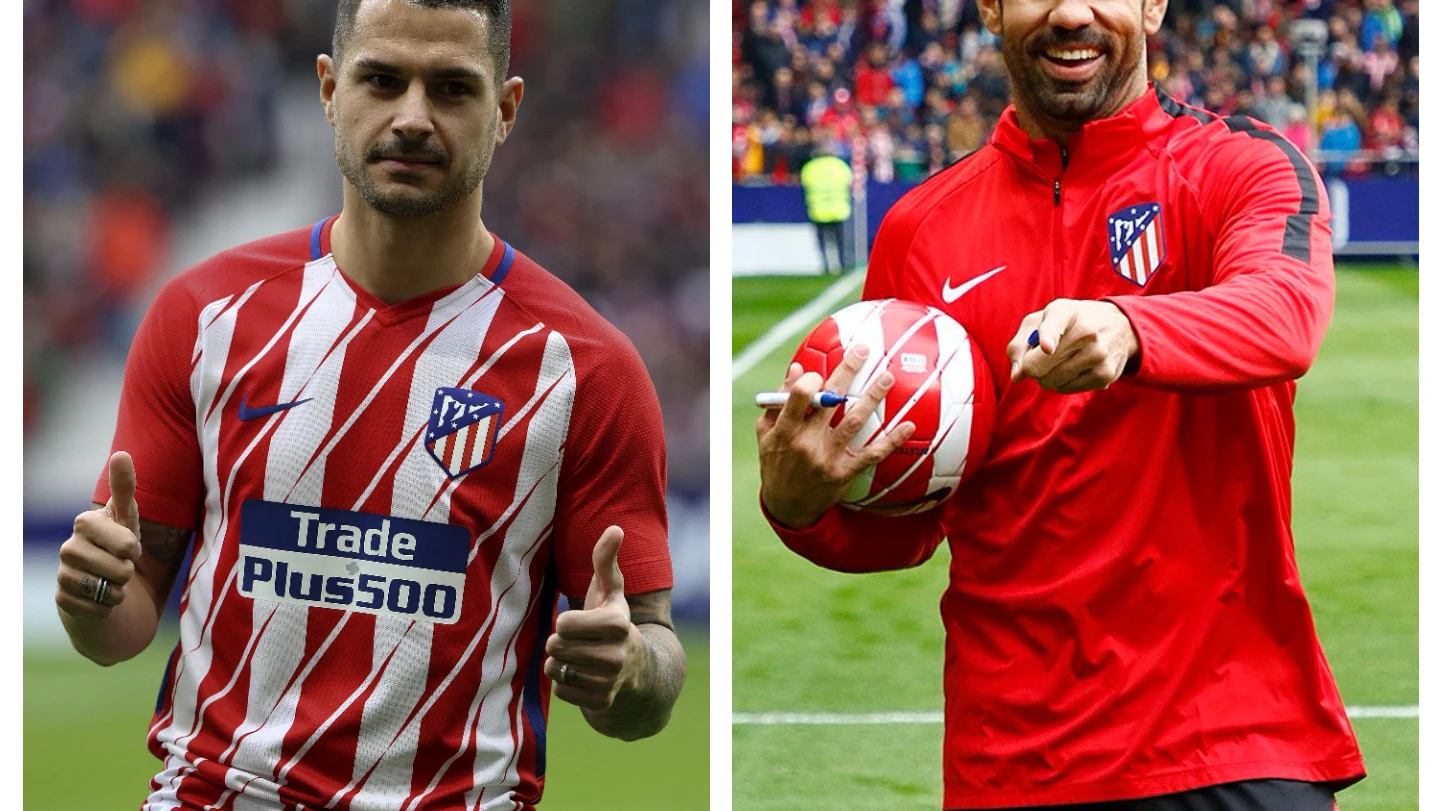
(942, 386)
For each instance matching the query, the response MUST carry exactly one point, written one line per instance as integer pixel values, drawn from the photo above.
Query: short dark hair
(498, 37)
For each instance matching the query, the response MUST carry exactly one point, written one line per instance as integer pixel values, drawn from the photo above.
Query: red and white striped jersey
(387, 500)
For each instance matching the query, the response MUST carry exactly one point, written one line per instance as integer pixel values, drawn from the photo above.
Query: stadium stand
(917, 84)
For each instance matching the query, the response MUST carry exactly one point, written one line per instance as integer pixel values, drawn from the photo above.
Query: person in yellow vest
(826, 179)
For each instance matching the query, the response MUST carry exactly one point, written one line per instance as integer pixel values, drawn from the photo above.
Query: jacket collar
(1100, 142)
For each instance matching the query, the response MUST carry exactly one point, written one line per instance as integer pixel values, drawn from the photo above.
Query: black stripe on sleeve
(1176, 109)
(1297, 243)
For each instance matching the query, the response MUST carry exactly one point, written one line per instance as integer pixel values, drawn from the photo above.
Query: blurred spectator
(840, 121)
(873, 79)
(1341, 133)
(1341, 136)
(128, 242)
(795, 152)
(929, 73)
(1265, 54)
(1408, 44)
(1385, 127)
(817, 103)
(1382, 25)
(880, 151)
(1298, 131)
(762, 45)
(966, 131)
(1379, 63)
(908, 76)
(786, 98)
(1275, 106)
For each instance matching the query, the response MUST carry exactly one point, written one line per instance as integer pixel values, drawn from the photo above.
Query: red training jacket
(1124, 617)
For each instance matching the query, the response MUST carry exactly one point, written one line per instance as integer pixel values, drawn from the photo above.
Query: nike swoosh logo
(248, 413)
(950, 294)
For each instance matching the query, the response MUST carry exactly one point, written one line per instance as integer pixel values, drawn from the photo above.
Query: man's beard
(453, 190)
(1071, 102)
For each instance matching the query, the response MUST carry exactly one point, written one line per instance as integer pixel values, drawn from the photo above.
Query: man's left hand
(1082, 346)
(600, 651)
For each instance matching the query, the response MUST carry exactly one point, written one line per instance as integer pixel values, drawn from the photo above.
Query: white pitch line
(788, 327)
(876, 718)
(1400, 711)
(833, 718)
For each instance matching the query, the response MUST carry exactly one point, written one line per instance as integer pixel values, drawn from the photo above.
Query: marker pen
(821, 399)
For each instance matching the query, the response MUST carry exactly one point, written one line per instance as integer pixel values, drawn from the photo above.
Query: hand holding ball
(939, 384)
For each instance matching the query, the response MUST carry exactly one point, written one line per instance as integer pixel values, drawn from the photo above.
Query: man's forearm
(128, 630)
(645, 710)
(110, 635)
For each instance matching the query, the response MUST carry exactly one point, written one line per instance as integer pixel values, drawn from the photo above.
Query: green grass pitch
(809, 640)
(85, 741)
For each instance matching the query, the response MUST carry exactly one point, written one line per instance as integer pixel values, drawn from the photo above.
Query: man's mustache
(424, 151)
(1069, 38)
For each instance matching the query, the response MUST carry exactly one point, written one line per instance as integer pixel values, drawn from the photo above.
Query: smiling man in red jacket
(1125, 625)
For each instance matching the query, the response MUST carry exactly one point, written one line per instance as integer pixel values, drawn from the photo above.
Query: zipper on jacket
(1060, 270)
(1056, 185)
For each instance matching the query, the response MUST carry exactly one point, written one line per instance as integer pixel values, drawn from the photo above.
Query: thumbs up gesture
(597, 652)
(99, 558)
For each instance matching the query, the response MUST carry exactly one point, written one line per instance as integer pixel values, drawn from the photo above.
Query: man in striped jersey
(1126, 628)
(397, 439)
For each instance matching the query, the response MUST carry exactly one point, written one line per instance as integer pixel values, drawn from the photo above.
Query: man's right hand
(806, 464)
(105, 544)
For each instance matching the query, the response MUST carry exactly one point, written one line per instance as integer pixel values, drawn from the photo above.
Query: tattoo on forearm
(164, 544)
(651, 608)
(646, 710)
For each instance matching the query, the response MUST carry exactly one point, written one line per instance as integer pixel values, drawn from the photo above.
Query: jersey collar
(498, 264)
(494, 271)
(1100, 142)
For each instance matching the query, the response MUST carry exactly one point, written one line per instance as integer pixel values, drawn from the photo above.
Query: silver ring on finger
(568, 676)
(101, 591)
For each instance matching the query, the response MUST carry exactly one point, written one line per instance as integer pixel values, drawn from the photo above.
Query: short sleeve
(614, 472)
(156, 421)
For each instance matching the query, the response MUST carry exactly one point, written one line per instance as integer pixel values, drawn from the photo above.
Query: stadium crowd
(137, 110)
(917, 84)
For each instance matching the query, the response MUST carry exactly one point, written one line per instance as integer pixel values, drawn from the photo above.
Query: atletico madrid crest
(461, 435)
(1138, 247)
